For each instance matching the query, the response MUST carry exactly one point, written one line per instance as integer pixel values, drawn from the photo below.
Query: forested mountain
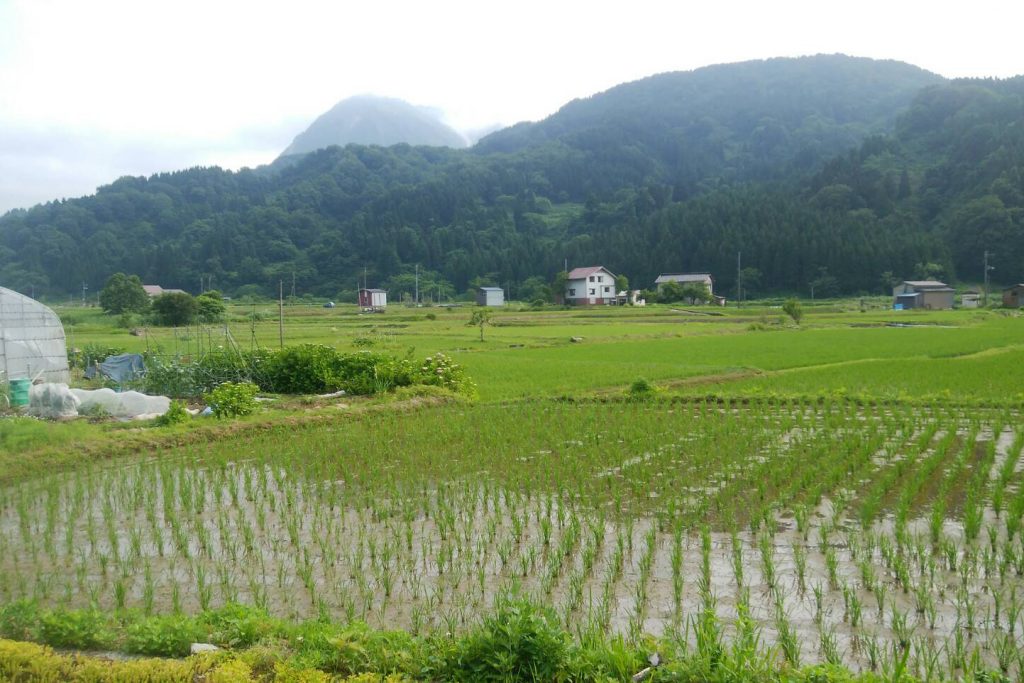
(371, 120)
(731, 122)
(940, 181)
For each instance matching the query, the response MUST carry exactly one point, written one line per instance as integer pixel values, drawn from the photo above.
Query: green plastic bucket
(19, 392)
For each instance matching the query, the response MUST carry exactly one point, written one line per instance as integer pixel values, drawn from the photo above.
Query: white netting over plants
(31, 340)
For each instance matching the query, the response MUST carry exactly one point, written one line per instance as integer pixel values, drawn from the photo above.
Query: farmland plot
(828, 532)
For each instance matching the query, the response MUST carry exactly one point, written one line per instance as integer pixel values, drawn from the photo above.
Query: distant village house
(927, 294)
(590, 286)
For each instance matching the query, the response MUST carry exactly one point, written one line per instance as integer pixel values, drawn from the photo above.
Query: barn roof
(682, 277)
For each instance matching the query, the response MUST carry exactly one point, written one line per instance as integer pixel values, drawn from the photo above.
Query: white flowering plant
(442, 371)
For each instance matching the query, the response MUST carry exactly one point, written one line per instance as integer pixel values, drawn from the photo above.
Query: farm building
(32, 341)
(686, 279)
(490, 296)
(590, 286)
(1012, 296)
(156, 290)
(373, 299)
(929, 294)
(970, 299)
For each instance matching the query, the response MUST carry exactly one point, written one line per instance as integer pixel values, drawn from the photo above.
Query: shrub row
(31, 663)
(518, 641)
(304, 369)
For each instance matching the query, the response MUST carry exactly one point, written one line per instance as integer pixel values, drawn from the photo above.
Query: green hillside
(824, 170)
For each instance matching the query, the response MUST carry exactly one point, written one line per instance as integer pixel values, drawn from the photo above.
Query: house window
(592, 291)
(600, 278)
(591, 278)
(572, 292)
(606, 290)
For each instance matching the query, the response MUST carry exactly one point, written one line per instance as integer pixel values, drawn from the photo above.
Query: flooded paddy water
(832, 533)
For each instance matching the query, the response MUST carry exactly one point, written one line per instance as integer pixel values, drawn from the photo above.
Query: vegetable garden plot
(831, 532)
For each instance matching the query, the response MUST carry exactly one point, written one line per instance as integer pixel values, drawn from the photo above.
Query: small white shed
(32, 343)
(490, 296)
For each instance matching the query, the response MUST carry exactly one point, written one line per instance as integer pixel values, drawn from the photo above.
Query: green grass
(528, 353)
(994, 376)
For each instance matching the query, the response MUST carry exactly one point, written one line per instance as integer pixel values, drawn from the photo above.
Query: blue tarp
(121, 369)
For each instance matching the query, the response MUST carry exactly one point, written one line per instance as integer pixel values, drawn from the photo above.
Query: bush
(793, 309)
(176, 414)
(238, 626)
(518, 642)
(641, 390)
(162, 636)
(365, 373)
(232, 400)
(440, 370)
(81, 629)
(210, 306)
(176, 309)
(303, 369)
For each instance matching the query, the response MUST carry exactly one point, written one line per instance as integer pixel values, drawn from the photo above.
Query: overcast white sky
(93, 90)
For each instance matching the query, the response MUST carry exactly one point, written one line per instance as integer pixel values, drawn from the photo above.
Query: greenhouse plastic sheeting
(32, 342)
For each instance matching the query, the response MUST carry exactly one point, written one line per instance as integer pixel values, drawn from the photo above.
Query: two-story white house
(591, 286)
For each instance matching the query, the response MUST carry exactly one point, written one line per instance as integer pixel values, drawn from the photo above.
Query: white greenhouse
(32, 342)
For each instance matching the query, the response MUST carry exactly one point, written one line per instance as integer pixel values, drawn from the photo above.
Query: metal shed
(930, 294)
(490, 296)
(373, 299)
(32, 343)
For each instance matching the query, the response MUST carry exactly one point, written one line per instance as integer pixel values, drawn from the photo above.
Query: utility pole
(84, 288)
(988, 268)
(293, 286)
(739, 278)
(417, 302)
(280, 311)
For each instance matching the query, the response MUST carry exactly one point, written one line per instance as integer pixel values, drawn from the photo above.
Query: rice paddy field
(848, 492)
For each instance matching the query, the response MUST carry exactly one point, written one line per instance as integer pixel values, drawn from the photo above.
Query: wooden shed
(1012, 296)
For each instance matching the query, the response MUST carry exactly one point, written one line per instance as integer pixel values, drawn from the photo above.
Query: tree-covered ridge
(954, 170)
(746, 121)
(943, 186)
